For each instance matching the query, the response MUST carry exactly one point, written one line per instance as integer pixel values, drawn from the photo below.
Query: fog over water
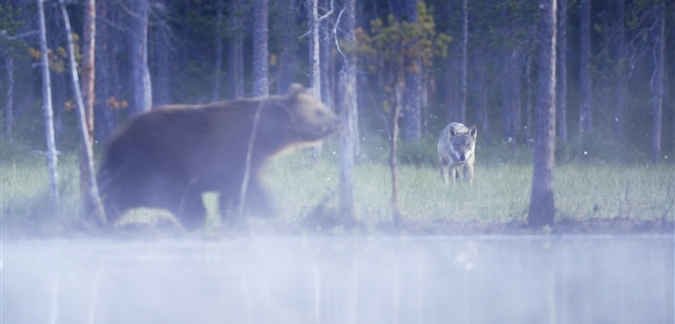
(483, 279)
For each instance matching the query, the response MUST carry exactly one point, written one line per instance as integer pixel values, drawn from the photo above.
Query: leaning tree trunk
(657, 81)
(348, 122)
(260, 54)
(542, 207)
(92, 197)
(585, 113)
(52, 159)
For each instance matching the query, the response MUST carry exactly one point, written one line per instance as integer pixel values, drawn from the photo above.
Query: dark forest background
(202, 50)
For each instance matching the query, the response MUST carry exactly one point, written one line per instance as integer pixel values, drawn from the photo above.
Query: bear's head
(311, 120)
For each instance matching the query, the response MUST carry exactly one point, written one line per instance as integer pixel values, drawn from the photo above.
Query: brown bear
(166, 158)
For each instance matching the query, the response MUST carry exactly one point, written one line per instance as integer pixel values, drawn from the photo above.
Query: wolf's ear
(453, 132)
(473, 131)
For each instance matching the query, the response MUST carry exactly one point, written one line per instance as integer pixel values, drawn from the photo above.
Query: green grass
(500, 193)
(299, 184)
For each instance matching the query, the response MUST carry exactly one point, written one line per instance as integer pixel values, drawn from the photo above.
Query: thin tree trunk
(621, 76)
(237, 50)
(91, 187)
(585, 113)
(104, 81)
(528, 103)
(413, 85)
(52, 158)
(542, 207)
(326, 57)
(561, 104)
(464, 63)
(139, 56)
(348, 121)
(260, 54)
(657, 80)
(287, 65)
(393, 153)
(162, 54)
(9, 96)
(91, 200)
(314, 50)
(218, 66)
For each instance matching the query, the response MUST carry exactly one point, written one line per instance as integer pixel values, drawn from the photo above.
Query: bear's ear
(473, 131)
(294, 90)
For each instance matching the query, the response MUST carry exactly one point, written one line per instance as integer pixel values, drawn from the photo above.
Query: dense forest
(479, 65)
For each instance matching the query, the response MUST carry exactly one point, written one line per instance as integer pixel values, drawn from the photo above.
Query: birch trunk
(348, 121)
(52, 158)
(92, 195)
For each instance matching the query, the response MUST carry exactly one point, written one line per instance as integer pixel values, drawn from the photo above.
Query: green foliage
(9, 26)
(394, 47)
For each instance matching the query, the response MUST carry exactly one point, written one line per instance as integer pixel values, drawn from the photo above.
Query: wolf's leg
(455, 174)
(468, 173)
(444, 167)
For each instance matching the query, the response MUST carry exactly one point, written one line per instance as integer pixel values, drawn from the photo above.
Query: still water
(484, 279)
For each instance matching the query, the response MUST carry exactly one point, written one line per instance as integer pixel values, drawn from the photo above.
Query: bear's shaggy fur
(167, 157)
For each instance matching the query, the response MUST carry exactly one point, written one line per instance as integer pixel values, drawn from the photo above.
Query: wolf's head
(463, 143)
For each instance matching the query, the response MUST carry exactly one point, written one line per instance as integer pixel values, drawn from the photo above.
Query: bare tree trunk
(105, 81)
(561, 103)
(528, 103)
(393, 153)
(657, 80)
(621, 77)
(218, 66)
(585, 112)
(542, 207)
(139, 55)
(314, 50)
(260, 54)
(464, 63)
(348, 121)
(237, 49)
(162, 53)
(327, 57)
(87, 168)
(287, 66)
(9, 96)
(52, 158)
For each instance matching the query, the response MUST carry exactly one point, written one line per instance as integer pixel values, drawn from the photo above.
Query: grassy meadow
(301, 186)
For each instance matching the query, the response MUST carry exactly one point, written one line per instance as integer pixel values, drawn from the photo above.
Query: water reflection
(335, 280)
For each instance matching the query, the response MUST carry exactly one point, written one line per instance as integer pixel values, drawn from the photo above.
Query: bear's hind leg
(192, 213)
